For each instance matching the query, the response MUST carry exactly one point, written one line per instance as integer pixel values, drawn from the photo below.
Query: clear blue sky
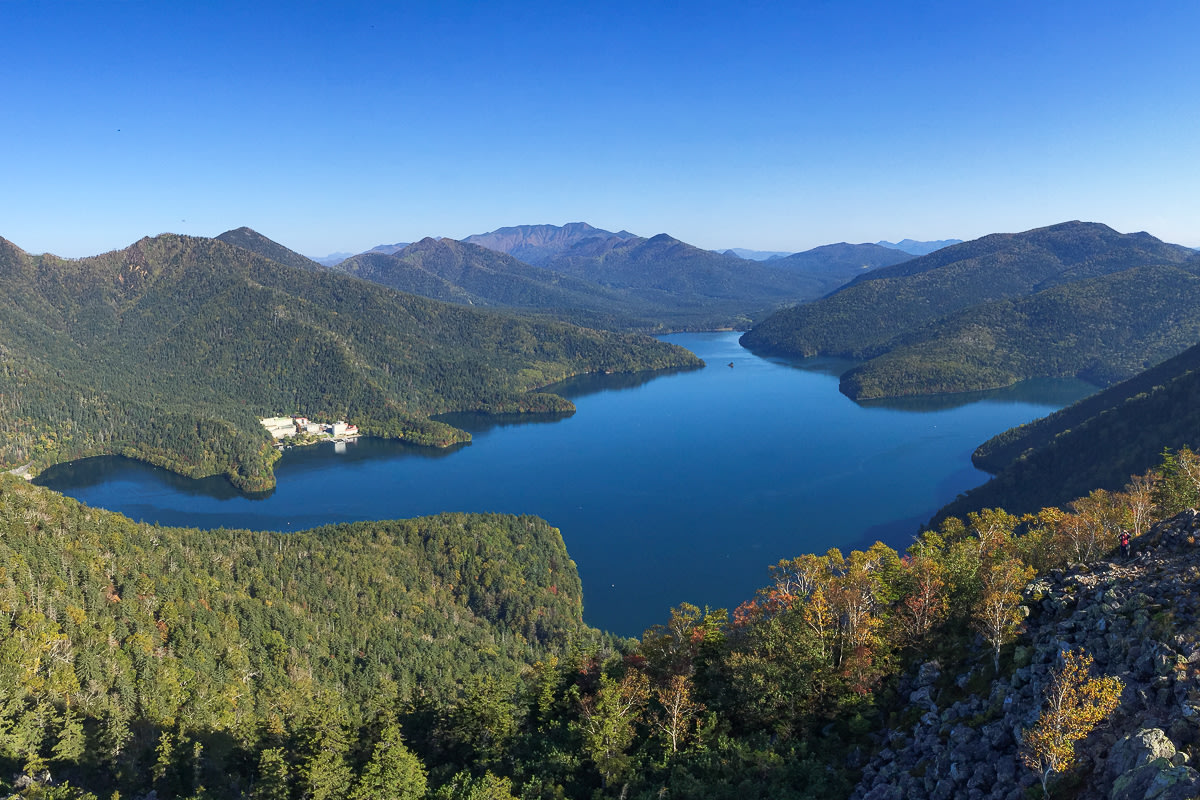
(777, 126)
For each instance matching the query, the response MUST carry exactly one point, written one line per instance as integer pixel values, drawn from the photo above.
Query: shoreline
(340, 438)
(23, 471)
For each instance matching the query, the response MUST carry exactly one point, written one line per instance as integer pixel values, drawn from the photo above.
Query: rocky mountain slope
(1139, 618)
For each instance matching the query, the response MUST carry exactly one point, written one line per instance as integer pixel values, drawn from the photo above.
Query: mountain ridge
(874, 315)
(538, 244)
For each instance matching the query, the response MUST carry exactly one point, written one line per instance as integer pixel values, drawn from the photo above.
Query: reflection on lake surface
(667, 488)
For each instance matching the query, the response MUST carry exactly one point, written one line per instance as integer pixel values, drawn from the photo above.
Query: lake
(683, 487)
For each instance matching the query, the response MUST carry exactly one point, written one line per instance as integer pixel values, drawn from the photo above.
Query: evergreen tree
(393, 771)
(273, 776)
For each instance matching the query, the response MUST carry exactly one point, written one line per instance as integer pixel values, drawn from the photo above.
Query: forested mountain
(1101, 330)
(255, 242)
(171, 350)
(931, 315)
(841, 263)
(676, 274)
(539, 244)
(614, 282)
(1097, 443)
(468, 274)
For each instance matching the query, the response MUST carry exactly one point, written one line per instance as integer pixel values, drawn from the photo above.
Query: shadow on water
(822, 365)
(596, 383)
(1058, 392)
(94, 471)
(477, 422)
(88, 472)
(897, 534)
(365, 448)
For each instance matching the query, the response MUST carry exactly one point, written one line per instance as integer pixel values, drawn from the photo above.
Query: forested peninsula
(1070, 300)
(172, 349)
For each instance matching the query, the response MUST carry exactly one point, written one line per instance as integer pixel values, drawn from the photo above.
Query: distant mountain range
(539, 244)
(684, 288)
(332, 260)
(913, 247)
(388, 249)
(842, 262)
(598, 278)
(755, 255)
(468, 274)
(1072, 299)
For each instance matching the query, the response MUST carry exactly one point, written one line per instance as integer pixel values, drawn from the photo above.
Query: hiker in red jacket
(1125, 544)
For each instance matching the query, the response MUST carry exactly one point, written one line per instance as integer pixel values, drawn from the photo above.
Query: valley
(266, 638)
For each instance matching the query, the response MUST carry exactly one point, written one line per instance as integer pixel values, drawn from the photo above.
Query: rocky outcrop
(1139, 618)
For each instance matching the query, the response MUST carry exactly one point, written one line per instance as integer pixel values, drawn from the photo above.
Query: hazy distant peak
(539, 244)
(389, 249)
(919, 248)
(333, 259)
(756, 255)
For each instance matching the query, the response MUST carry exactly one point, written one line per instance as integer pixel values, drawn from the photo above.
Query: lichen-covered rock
(1157, 780)
(1138, 750)
(1139, 618)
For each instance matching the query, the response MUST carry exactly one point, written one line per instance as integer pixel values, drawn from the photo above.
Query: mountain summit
(538, 244)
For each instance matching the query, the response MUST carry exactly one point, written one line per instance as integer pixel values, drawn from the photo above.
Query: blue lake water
(681, 487)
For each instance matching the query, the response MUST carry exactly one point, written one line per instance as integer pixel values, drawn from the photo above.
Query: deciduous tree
(999, 611)
(1074, 703)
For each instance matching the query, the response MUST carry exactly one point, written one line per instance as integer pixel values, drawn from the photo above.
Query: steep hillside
(171, 349)
(538, 244)
(1003, 449)
(1139, 619)
(1097, 443)
(123, 641)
